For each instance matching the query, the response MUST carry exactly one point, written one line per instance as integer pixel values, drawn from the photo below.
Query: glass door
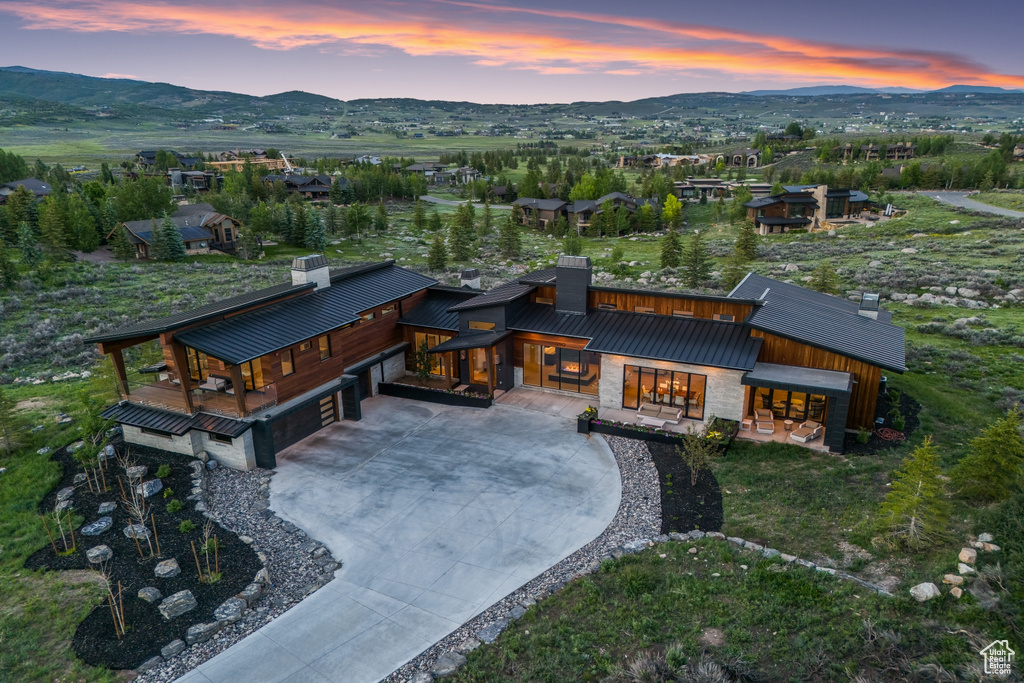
(478, 368)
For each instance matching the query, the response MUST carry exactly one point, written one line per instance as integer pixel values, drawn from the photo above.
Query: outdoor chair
(808, 431)
(762, 415)
(765, 427)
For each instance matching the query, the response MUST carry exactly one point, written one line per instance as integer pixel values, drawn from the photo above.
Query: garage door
(299, 425)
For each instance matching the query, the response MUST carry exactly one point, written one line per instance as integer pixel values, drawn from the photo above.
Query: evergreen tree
(8, 271)
(994, 468)
(287, 222)
(437, 257)
(31, 254)
(776, 189)
(336, 194)
(457, 242)
(316, 232)
(486, 220)
(746, 242)
(52, 231)
(509, 243)
(81, 226)
(248, 245)
(741, 196)
(734, 271)
(915, 512)
(561, 227)
(357, 219)
(434, 224)
(169, 246)
(671, 249)
(419, 217)
(380, 219)
(21, 208)
(301, 220)
(123, 249)
(646, 220)
(572, 244)
(696, 260)
(824, 279)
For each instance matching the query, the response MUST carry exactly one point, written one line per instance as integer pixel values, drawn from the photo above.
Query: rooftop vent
(311, 269)
(470, 278)
(869, 306)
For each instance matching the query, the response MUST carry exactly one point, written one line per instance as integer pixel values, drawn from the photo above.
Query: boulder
(965, 569)
(177, 604)
(167, 569)
(953, 580)
(251, 593)
(80, 478)
(135, 531)
(986, 537)
(230, 611)
(137, 472)
(490, 633)
(770, 552)
(99, 554)
(150, 594)
(923, 592)
(908, 250)
(447, 664)
(65, 493)
(106, 508)
(200, 633)
(517, 612)
(968, 555)
(151, 487)
(98, 527)
(968, 292)
(468, 645)
(76, 446)
(175, 647)
(791, 268)
(956, 592)
(421, 677)
(149, 664)
(990, 547)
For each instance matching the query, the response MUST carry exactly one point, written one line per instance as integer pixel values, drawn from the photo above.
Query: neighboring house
(540, 212)
(804, 206)
(693, 188)
(309, 187)
(435, 173)
(244, 378)
(899, 151)
(747, 158)
(148, 158)
(1018, 152)
(499, 193)
(201, 227)
(33, 185)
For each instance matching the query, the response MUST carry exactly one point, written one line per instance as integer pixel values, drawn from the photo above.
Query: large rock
(953, 580)
(447, 664)
(167, 569)
(149, 664)
(65, 493)
(137, 472)
(175, 647)
(965, 569)
(968, 555)
(200, 633)
(149, 594)
(986, 538)
(151, 487)
(106, 508)
(923, 592)
(99, 554)
(251, 593)
(135, 531)
(98, 527)
(230, 611)
(177, 604)
(490, 633)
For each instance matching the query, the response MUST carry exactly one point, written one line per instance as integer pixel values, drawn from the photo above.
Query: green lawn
(1007, 199)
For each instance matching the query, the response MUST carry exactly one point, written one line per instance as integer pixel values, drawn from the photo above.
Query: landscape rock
(76, 446)
(177, 604)
(968, 555)
(106, 508)
(965, 569)
(788, 558)
(175, 647)
(923, 592)
(986, 537)
(956, 592)
(135, 531)
(98, 527)
(990, 547)
(151, 487)
(421, 677)
(447, 664)
(44, 450)
(908, 250)
(490, 633)
(65, 493)
(953, 580)
(200, 633)
(770, 552)
(149, 664)
(230, 611)
(80, 478)
(99, 554)
(136, 472)
(167, 569)
(517, 612)
(150, 594)
(251, 593)
(467, 645)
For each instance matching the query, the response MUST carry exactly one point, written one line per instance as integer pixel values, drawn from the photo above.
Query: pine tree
(123, 249)
(460, 232)
(746, 242)
(437, 257)
(696, 260)
(316, 232)
(31, 254)
(419, 217)
(336, 194)
(561, 227)
(509, 243)
(572, 245)
(52, 232)
(248, 245)
(486, 220)
(380, 219)
(169, 246)
(824, 279)
(734, 271)
(8, 433)
(994, 468)
(671, 249)
(8, 271)
(915, 512)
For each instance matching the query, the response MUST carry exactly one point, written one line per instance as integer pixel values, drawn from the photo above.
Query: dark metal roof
(502, 294)
(434, 310)
(158, 325)
(173, 423)
(473, 340)
(695, 296)
(274, 327)
(540, 204)
(188, 234)
(824, 321)
(782, 220)
(761, 201)
(696, 341)
(802, 199)
(540, 277)
(812, 380)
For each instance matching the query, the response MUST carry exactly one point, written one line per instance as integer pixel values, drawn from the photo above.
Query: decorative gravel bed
(296, 564)
(638, 517)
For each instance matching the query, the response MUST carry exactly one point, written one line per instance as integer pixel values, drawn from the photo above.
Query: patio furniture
(764, 427)
(746, 424)
(816, 410)
(666, 413)
(762, 415)
(787, 425)
(652, 422)
(808, 431)
(213, 384)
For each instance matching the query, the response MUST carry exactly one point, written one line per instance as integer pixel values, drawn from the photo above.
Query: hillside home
(309, 187)
(541, 212)
(35, 186)
(245, 378)
(747, 158)
(899, 151)
(804, 206)
(148, 158)
(201, 227)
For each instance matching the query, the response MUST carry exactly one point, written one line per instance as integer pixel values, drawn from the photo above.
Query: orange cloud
(493, 36)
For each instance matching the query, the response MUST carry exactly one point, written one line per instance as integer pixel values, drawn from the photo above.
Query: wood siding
(865, 392)
(664, 305)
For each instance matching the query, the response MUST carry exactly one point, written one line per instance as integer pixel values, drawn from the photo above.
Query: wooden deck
(164, 394)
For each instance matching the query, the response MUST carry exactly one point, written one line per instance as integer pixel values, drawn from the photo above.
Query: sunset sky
(522, 52)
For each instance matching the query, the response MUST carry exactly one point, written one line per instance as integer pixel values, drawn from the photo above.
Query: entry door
(478, 366)
(364, 385)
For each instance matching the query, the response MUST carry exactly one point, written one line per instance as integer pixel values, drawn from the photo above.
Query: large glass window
(790, 405)
(198, 364)
(252, 374)
(432, 341)
(682, 390)
(835, 207)
(565, 369)
(325, 346)
(287, 363)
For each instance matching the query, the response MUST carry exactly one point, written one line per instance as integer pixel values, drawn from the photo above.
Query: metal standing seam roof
(502, 294)
(694, 341)
(473, 340)
(256, 333)
(824, 321)
(761, 201)
(540, 277)
(173, 423)
(434, 311)
(782, 220)
(188, 234)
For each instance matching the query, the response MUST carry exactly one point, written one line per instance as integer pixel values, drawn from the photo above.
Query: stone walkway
(437, 513)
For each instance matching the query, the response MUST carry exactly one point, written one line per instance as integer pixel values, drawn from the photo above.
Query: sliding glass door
(554, 367)
(682, 390)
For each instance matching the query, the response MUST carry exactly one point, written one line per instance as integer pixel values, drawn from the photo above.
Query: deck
(165, 394)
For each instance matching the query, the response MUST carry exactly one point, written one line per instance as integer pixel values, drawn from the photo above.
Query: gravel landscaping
(638, 517)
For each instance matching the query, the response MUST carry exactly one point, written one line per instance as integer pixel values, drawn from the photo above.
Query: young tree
(248, 245)
(509, 243)
(336, 194)
(560, 228)
(123, 249)
(746, 242)
(696, 260)
(419, 217)
(740, 196)
(915, 512)
(169, 246)
(31, 254)
(671, 249)
(572, 244)
(357, 218)
(994, 468)
(734, 270)
(423, 361)
(8, 433)
(646, 220)
(824, 279)
(52, 232)
(672, 212)
(380, 219)
(8, 271)
(316, 232)
(437, 257)
(486, 220)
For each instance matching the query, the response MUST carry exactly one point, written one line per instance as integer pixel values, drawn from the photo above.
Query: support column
(119, 372)
(184, 379)
(489, 362)
(446, 362)
(238, 384)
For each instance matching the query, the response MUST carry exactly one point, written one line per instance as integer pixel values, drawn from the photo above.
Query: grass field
(1006, 199)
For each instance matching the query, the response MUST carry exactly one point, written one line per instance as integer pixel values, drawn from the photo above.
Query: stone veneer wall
(394, 367)
(723, 392)
(184, 445)
(238, 455)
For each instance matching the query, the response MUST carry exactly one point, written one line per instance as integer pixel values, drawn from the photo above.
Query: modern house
(898, 151)
(245, 378)
(201, 227)
(746, 157)
(35, 186)
(804, 206)
(148, 158)
(541, 212)
(309, 187)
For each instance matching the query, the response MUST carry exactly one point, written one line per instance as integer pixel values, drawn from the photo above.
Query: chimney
(312, 268)
(869, 306)
(572, 277)
(470, 278)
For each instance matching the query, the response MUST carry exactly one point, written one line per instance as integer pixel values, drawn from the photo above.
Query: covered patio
(478, 357)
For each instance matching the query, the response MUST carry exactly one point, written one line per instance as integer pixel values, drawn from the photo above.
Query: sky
(519, 52)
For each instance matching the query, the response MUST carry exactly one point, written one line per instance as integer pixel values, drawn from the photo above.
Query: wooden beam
(119, 372)
(184, 379)
(446, 363)
(238, 384)
(489, 363)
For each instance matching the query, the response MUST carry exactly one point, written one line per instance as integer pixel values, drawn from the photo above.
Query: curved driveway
(961, 199)
(436, 513)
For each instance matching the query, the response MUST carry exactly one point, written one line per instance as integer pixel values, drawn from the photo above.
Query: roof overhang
(476, 340)
(794, 378)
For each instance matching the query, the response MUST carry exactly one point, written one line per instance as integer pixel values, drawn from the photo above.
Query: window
(564, 369)
(198, 364)
(287, 363)
(252, 374)
(792, 405)
(608, 307)
(682, 390)
(305, 346)
(387, 310)
(725, 317)
(643, 309)
(546, 300)
(219, 438)
(435, 358)
(682, 314)
(325, 347)
(366, 317)
(227, 234)
(479, 325)
(157, 432)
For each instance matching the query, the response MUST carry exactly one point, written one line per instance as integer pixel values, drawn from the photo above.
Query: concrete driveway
(961, 199)
(436, 513)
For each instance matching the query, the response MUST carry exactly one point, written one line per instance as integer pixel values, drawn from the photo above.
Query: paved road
(458, 202)
(436, 513)
(961, 199)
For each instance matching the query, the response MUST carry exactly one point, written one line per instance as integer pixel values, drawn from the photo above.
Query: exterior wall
(723, 393)
(394, 368)
(375, 379)
(185, 445)
(664, 305)
(238, 455)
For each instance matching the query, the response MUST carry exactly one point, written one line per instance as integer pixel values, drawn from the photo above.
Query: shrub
(696, 451)
(174, 506)
(168, 493)
(163, 471)
(863, 435)
(636, 580)
(993, 469)
(915, 512)
(186, 526)
(898, 422)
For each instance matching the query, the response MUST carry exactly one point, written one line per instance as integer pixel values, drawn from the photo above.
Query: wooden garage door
(301, 424)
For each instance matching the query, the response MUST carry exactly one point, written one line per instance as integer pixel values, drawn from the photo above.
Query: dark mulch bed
(910, 410)
(95, 641)
(685, 507)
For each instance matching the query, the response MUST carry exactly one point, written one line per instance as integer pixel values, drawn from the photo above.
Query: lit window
(287, 363)
(367, 316)
(682, 314)
(387, 310)
(643, 309)
(325, 347)
(305, 346)
(479, 325)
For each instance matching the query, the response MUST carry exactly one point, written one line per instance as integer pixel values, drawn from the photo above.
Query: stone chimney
(572, 278)
(312, 268)
(470, 278)
(868, 306)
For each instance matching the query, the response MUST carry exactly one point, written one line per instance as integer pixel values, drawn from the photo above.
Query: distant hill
(818, 90)
(987, 89)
